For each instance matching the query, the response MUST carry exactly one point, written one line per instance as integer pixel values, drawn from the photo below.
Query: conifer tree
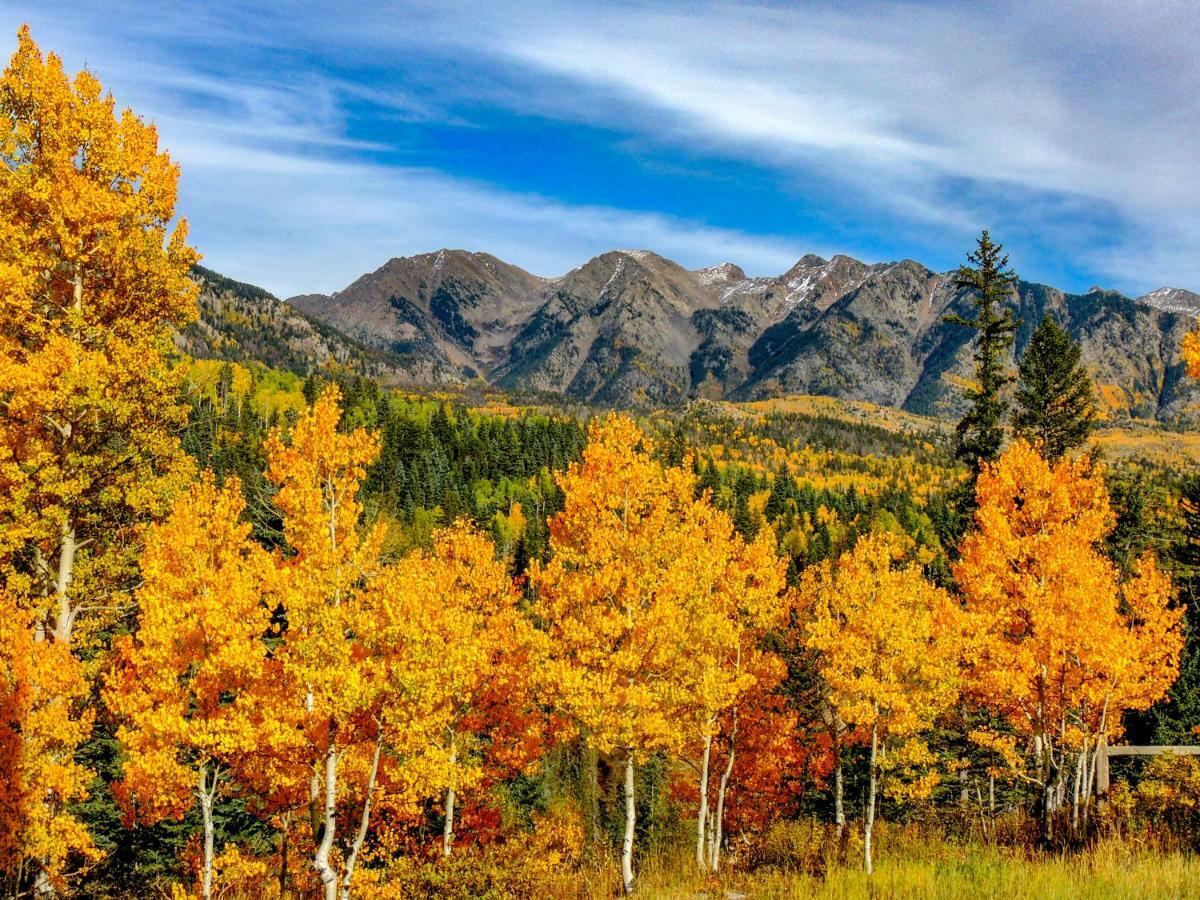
(1055, 398)
(979, 434)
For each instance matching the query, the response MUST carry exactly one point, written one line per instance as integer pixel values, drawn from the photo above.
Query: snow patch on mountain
(1175, 300)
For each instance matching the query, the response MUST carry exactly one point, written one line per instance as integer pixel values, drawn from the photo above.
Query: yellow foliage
(1062, 646)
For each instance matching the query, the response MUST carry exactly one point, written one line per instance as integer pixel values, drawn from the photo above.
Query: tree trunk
(630, 825)
(590, 762)
(283, 855)
(702, 815)
(1078, 789)
(321, 857)
(206, 793)
(42, 885)
(1045, 765)
(839, 801)
(64, 620)
(448, 826)
(718, 831)
(314, 784)
(363, 823)
(869, 825)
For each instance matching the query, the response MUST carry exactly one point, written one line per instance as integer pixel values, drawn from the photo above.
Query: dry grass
(1110, 870)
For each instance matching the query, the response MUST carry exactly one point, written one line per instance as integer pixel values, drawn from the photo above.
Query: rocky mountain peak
(724, 274)
(632, 327)
(1176, 300)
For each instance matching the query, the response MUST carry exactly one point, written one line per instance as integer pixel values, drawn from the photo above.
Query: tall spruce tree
(980, 435)
(1055, 402)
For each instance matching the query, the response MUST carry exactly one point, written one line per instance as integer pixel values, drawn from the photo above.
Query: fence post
(1102, 767)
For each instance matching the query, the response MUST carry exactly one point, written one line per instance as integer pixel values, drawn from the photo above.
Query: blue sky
(317, 142)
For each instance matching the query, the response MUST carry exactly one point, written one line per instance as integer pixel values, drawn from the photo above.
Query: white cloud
(289, 233)
(1042, 118)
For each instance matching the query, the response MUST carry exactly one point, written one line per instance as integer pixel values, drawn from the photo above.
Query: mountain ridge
(633, 328)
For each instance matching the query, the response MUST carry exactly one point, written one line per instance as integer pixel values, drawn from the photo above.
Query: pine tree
(979, 434)
(1055, 398)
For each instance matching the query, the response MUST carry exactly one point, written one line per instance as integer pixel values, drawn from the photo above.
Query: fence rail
(1106, 752)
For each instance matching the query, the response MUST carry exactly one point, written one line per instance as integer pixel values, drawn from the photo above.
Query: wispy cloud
(1068, 128)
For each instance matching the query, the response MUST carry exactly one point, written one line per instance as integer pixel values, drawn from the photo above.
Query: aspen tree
(93, 279)
(318, 472)
(187, 685)
(1062, 645)
(888, 645)
(625, 596)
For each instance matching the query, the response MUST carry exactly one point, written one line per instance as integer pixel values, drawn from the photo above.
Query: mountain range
(630, 328)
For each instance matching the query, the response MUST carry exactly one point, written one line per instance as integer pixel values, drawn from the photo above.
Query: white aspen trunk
(1080, 767)
(448, 827)
(1046, 764)
(712, 834)
(363, 822)
(1101, 742)
(314, 783)
(206, 793)
(321, 857)
(702, 815)
(839, 792)
(869, 825)
(64, 620)
(42, 886)
(719, 835)
(283, 854)
(630, 825)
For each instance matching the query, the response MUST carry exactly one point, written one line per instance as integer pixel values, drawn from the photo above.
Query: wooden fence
(1107, 752)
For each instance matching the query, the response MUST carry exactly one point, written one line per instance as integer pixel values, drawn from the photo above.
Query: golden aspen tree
(430, 649)
(624, 597)
(746, 599)
(319, 589)
(93, 280)
(1190, 351)
(186, 686)
(489, 654)
(1063, 647)
(888, 645)
(42, 721)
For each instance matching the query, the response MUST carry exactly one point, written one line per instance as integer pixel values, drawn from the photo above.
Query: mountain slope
(240, 322)
(632, 328)
(445, 316)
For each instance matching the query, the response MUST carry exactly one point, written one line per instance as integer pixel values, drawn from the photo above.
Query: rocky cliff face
(630, 327)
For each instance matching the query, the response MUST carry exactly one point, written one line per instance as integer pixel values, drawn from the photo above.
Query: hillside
(242, 323)
(630, 328)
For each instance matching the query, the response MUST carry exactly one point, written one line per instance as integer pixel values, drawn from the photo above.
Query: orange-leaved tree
(625, 598)
(745, 598)
(42, 721)
(92, 280)
(491, 722)
(1191, 351)
(1063, 646)
(444, 675)
(887, 645)
(319, 589)
(186, 686)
